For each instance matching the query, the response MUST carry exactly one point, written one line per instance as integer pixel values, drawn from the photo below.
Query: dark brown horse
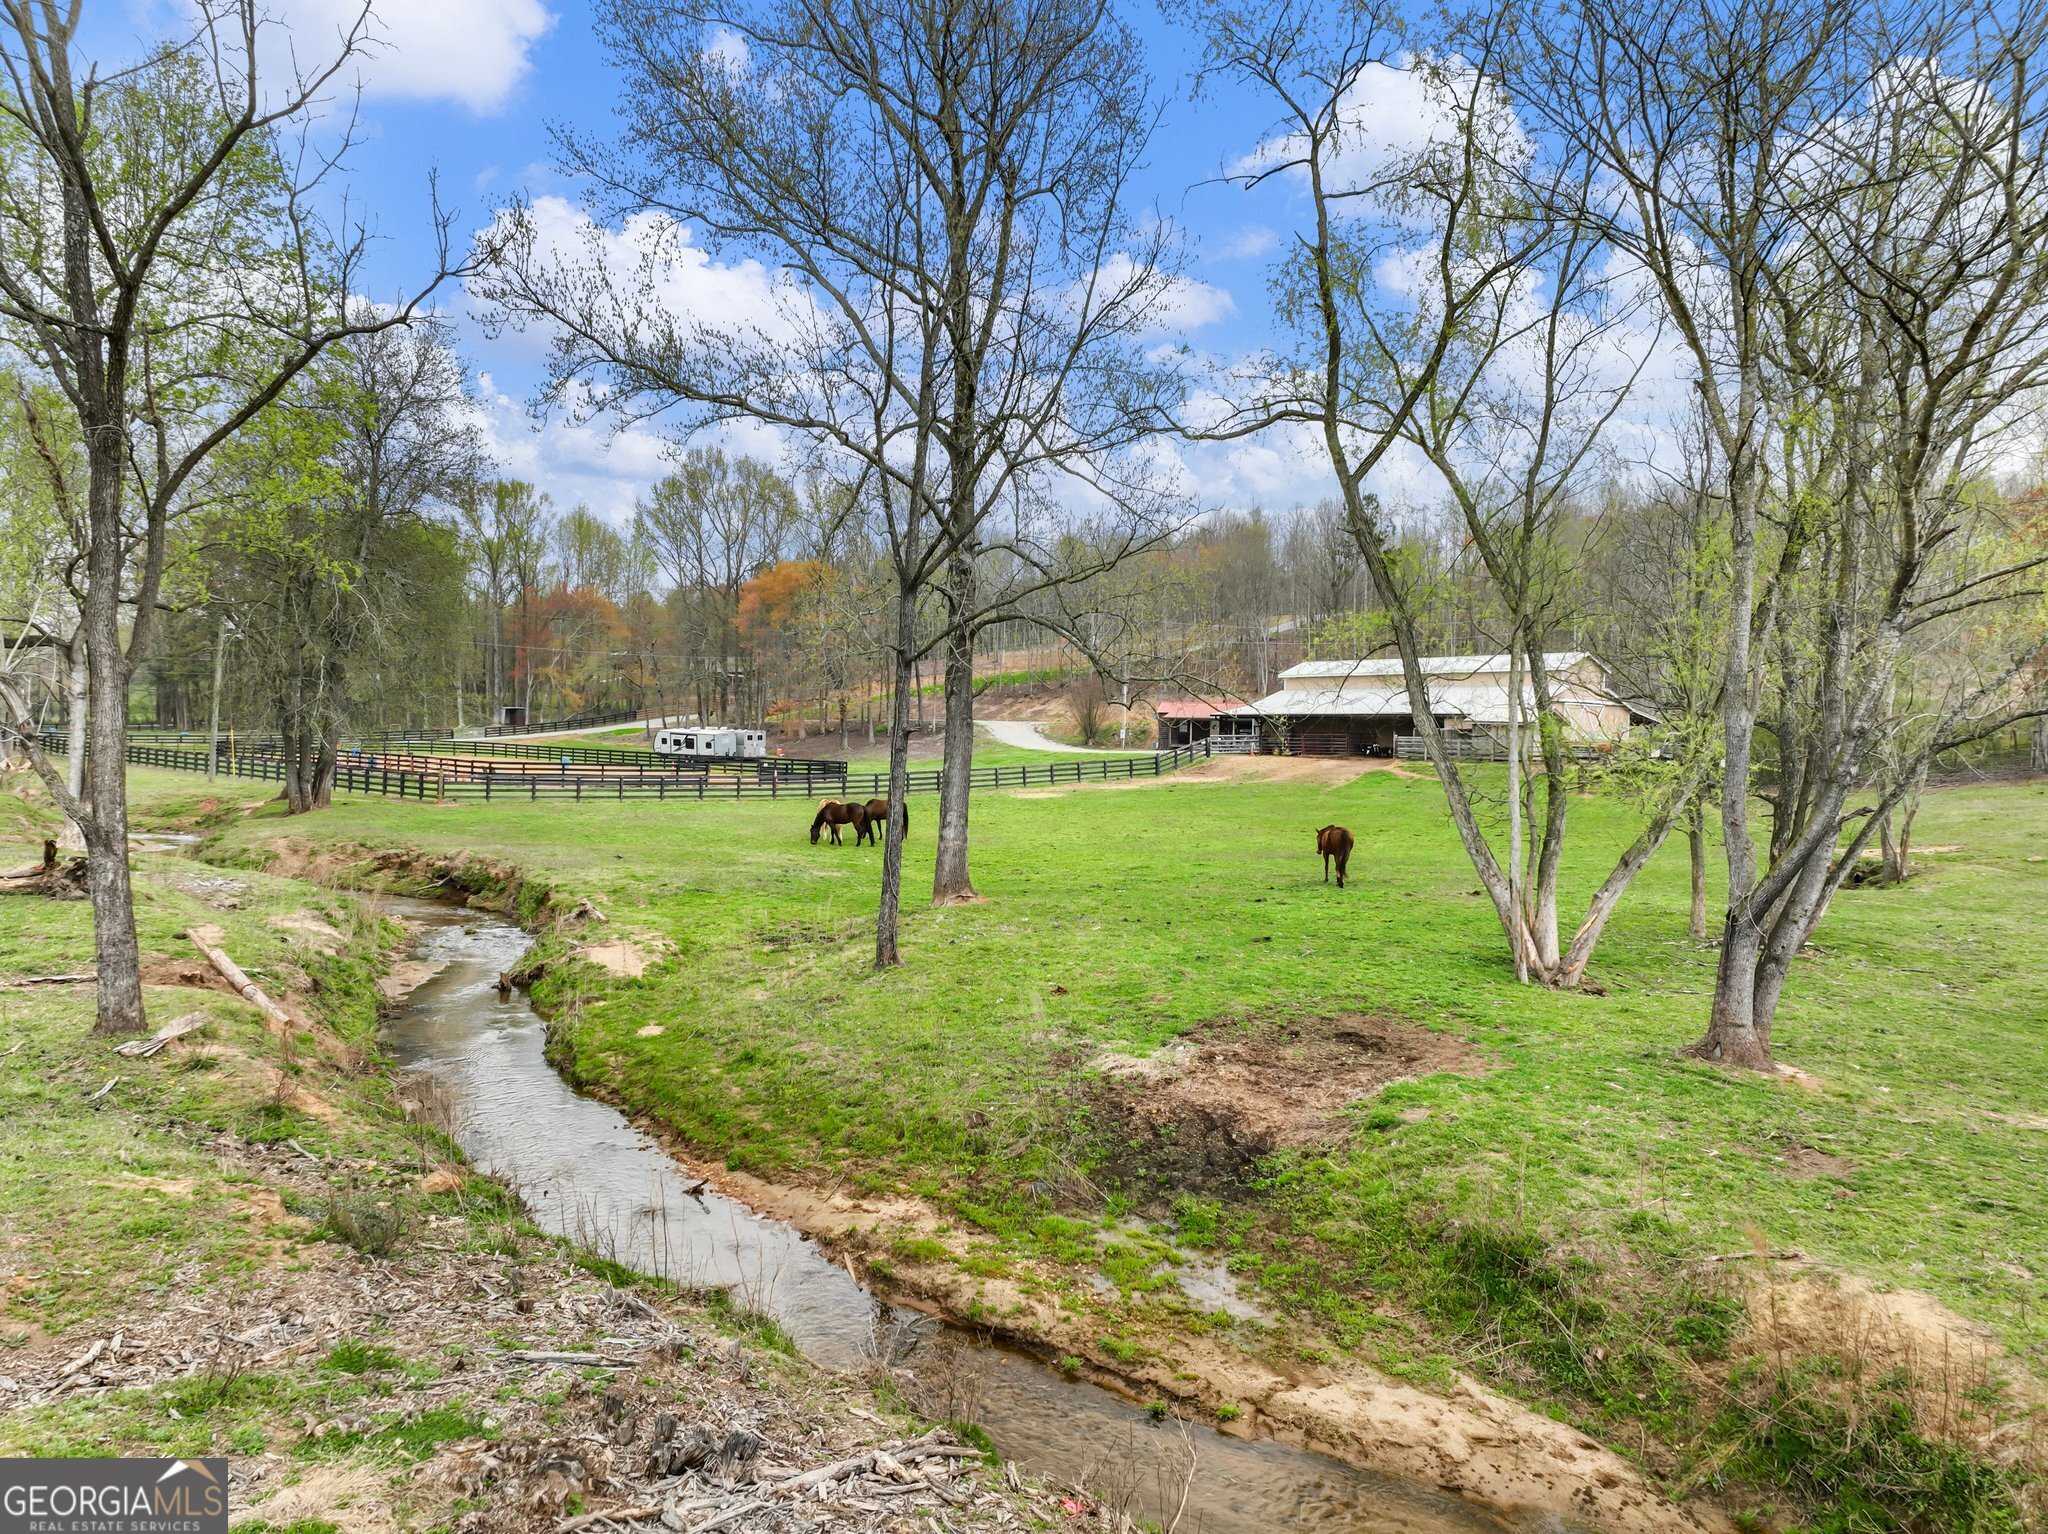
(878, 816)
(1334, 842)
(832, 815)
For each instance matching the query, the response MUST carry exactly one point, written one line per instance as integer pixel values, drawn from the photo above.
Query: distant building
(1361, 707)
(1183, 721)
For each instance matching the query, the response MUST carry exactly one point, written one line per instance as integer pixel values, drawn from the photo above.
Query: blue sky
(469, 89)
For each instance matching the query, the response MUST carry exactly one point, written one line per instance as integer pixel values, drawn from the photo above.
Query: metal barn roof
(1447, 667)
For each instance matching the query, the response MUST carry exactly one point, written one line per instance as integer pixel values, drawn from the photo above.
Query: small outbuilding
(1184, 721)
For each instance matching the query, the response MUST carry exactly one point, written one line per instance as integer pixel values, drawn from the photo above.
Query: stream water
(588, 1174)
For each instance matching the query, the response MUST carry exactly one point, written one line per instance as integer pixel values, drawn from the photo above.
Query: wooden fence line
(429, 781)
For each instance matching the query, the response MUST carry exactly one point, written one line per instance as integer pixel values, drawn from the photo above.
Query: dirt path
(1030, 735)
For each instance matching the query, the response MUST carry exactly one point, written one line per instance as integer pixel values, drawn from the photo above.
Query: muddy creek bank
(586, 1173)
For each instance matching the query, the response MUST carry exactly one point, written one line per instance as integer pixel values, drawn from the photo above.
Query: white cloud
(1177, 306)
(594, 463)
(659, 262)
(1243, 244)
(575, 457)
(1389, 113)
(472, 52)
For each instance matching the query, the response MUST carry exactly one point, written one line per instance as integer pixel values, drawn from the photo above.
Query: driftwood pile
(54, 877)
(656, 1475)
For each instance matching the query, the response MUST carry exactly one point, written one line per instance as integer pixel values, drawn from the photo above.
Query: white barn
(1359, 707)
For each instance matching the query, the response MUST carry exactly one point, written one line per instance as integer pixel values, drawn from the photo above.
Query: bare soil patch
(617, 957)
(314, 932)
(193, 974)
(1807, 1163)
(1203, 1111)
(1332, 770)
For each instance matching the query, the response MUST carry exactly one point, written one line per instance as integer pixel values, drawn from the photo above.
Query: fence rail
(574, 722)
(399, 775)
(1481, 746)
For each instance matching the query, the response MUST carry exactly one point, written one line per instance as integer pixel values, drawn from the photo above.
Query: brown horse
(878, 816)
(832, 815)
(1334, 842)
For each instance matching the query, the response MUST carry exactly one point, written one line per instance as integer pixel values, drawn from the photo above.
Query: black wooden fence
(574, 722)
(395, 774)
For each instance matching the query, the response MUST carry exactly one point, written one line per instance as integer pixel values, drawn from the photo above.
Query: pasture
(1575, 1138)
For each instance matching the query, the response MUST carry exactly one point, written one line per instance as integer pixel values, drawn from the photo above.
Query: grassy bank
(1537, 1217)
(243, 1246)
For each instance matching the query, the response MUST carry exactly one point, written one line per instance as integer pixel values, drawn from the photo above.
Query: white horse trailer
(713, 741)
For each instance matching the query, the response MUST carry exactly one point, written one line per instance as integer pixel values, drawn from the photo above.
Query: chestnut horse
(832, 815)
(878, 816)
(1334, 842)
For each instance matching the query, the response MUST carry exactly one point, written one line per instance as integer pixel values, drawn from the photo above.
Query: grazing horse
(878, 816)
(832, 815)
(1334, 842)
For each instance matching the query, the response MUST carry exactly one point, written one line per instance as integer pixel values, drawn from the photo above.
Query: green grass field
(1120, 918)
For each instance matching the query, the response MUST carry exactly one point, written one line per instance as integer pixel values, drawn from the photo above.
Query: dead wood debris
(688, 1435)
(58, 880)
(207, 940)
(176, 1028)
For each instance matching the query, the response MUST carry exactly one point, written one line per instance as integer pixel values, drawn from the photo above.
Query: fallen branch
(725, 1518)
(112, 1082)
(615, 1515)
(207, 941)
(1786, 1256)
(83, 977)
(572, 1360)
(177, 1028)
(860, 1464)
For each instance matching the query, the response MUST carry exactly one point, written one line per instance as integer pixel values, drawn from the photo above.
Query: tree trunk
(2038, 756)
(1897, 832)
(117, 957)
(1733, 1034)
(887, 955)
(324, 764)
(1696, 846)
(1517, 891)
(220, 655)
(951, 884)
(79, 684)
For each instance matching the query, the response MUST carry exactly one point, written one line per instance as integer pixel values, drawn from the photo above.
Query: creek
(587, 1174)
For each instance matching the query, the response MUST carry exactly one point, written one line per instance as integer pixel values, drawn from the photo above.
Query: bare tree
(1842, 210)
(941, 184)
(156, 238)
(331, 560)
(504, 533)
(1496, 354)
